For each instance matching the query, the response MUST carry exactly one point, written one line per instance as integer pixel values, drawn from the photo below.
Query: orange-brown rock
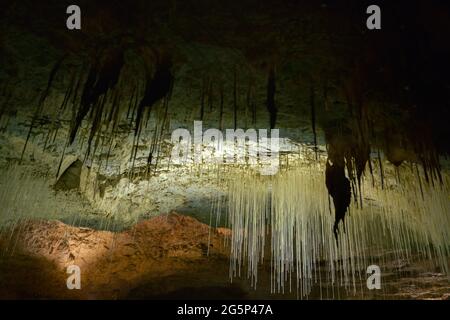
(111, 263)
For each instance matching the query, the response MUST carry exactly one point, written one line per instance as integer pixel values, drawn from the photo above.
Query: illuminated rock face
(112, 264)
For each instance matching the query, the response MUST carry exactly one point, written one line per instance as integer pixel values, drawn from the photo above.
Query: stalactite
(202, 99)
(77, 87)
(163, 124)
(40, 104)
(419, 180)
(103, 76)
(313, 117)
(325, 95)
(102, 146)
(250, 104)
(130, 103)
(157, 88)
(152, 149)
(210, 96)
(339, 188)
(4, 105)
(221, 106)
(271, 106)
(108, 154)
(115, 115)
(96, 122)
(47, 137)
(287, 217)
(61, 160)
(134, 151)
(135, 106)
(58, 126)
(235, 106)
(114, 106)
(380, 164)
(55, 123)
(68, 94)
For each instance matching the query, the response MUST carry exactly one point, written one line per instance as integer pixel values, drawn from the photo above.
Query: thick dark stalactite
(103, 76)
(158, 87)
(339, 188)
(345, 155)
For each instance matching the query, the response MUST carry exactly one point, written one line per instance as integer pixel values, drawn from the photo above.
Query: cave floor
(167, 257)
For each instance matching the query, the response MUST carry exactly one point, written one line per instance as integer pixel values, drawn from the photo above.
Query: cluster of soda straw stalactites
(287, 220)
